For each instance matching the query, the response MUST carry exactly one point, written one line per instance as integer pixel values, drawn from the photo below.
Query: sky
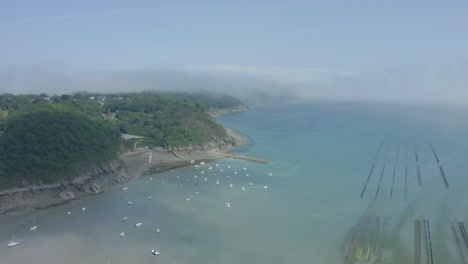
(398, 50)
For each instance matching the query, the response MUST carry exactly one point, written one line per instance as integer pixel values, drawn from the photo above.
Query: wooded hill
(45, 140)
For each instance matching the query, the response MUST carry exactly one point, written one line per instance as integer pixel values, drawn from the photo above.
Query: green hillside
(45, 140)
(45, 146)
(166, 120)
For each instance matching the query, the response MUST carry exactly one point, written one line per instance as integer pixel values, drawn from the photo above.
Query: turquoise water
(320, 157)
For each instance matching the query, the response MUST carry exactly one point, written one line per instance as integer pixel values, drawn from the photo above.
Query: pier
(251, 159)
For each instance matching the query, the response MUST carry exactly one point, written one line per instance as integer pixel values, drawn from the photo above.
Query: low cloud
(423, 85)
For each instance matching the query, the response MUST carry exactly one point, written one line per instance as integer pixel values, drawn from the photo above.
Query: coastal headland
(129, 166)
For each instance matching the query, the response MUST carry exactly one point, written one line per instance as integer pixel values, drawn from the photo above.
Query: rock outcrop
(94, 182)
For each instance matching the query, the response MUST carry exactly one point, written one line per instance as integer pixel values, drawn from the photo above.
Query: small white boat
(244, 168)
(205, 179)
(150, 179)
(202, 163)
(229, 166)
(155, 252)
(83, 209)
(210, 168)
(243, 188)
(14, 241)
(221, 170)
(230, 185)
(122, 234)
(196, 193)
(129, 203)
(138, 224)
(178, 177)
(247, 175)
(158, 230)
(124, 218)
(227, 177)
(216, 164)
(149, 198)
(192, 161)
(250, 183)
(125, 188)
(217, 182)
(195, 176)
(202, 172)
(270, 174)
(34, 227)
(235, 172)
(265, 187)
(69, 213)
(228, 205)
(188, 199)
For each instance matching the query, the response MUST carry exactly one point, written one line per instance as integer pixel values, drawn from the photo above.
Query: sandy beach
(149, 161)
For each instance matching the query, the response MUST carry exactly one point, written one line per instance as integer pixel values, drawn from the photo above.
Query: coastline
(152, 161)
(94, 182)
(129, 166)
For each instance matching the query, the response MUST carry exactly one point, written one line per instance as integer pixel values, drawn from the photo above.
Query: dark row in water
(372, 168)
(428, 238)
(427, 241)
(461, 231)
(397, 153)
(394, 171)
(406, 182)
(442, 173)
(417, 241)
(418, 170)
(383, 171)
(367, 241)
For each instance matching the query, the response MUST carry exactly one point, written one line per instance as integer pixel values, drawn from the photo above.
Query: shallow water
(320, 157)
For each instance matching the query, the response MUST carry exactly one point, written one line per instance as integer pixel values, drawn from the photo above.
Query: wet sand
(149, 161)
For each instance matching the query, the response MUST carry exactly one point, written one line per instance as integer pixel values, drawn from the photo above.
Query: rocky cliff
(94, 182)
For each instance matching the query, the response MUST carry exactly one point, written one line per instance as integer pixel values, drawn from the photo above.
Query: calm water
(320, 158)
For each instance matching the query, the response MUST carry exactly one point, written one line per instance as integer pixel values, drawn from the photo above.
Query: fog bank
(417, 85)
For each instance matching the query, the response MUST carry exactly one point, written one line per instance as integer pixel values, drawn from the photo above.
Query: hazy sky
(330, 48)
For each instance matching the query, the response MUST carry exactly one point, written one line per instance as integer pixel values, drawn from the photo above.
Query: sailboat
(34, 227)
(14, 241)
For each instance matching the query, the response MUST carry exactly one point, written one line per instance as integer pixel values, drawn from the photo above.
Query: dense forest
(166, 120)
(45, 146)
(47, 139)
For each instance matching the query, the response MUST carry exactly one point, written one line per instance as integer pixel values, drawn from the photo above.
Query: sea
(345, 183)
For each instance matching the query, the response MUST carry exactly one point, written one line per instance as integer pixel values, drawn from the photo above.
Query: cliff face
(230, 142)
(93, 182)
(215, 112)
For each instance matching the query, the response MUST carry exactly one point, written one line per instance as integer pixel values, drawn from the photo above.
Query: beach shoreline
(151, 161)
(129, 166)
